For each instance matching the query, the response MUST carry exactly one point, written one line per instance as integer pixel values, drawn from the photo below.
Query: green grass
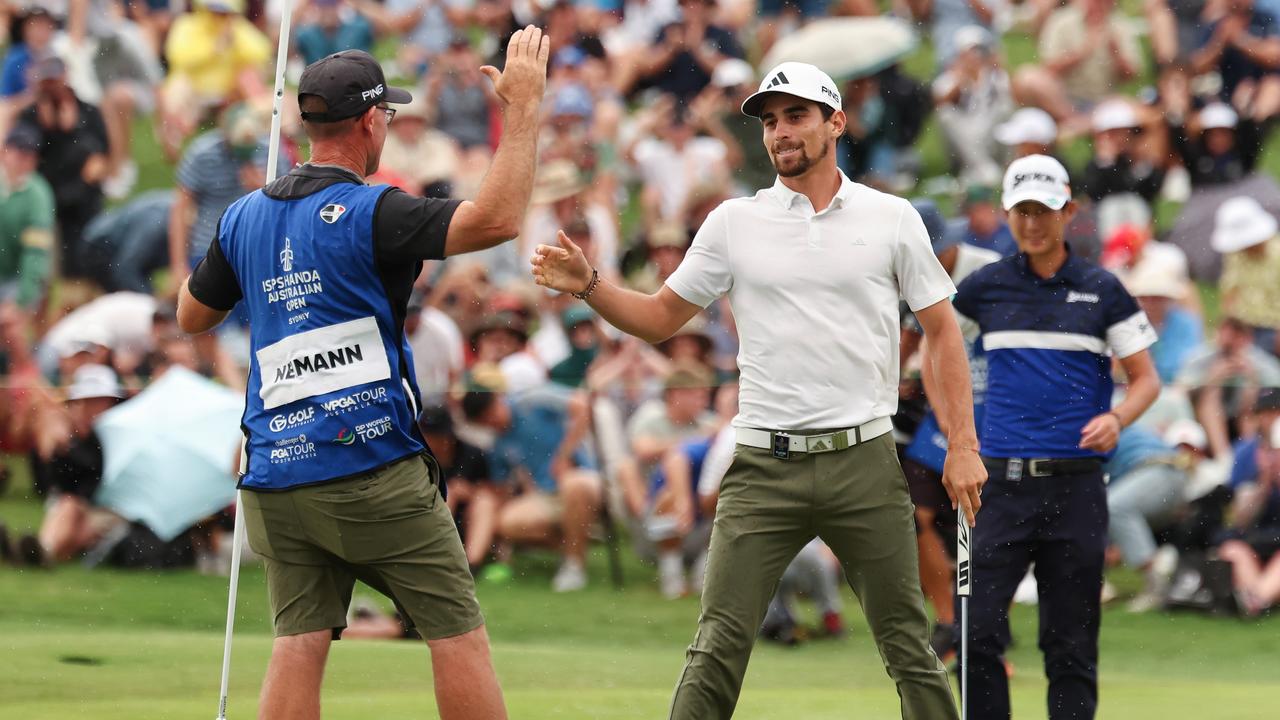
(112, 644)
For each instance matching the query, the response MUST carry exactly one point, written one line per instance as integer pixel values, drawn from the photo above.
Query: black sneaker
(782, 633)
(30, 552)
(943, 640)
(6, 547)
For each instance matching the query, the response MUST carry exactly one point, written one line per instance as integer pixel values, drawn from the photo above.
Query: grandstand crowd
(129, 126)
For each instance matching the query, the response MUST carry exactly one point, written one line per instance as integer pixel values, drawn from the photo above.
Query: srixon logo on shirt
(1075, 297)
(299, 368)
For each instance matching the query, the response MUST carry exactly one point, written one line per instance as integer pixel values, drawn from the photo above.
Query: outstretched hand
(524, 76)
(563, 268)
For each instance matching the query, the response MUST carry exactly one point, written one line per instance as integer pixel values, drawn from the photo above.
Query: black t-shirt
(406, 231)
(468, 464)
(63, 154)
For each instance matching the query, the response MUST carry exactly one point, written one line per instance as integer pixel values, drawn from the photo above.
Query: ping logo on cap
(779, 79)
(369, 94)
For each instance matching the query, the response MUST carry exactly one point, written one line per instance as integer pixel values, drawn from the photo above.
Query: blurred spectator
(1224, 376)
(26, 222)
(972, 96)
(461, 96)
(672, 158)
(1217, 146)
(1087, 51)
(1117, 166)
(1243, 46)
(583, 338)
(424, 29)
(1253, 544)
(420, 153)
(70, 476)
(982, 223)
(731, 84)
(559, 198)
(947, 17)
(685, 53)
(215, 56)
(1029, 131)
(502, 339)
(118, 324)
(541, 450)
(886, 114)
(216, 169)
(437, 348)
(331, 26)
(1245, 234)
(34, 31)
(1175, 27)
(665, 244)
(73, 152)
(473, 499)
(127, 244)
(1145, 492)
(1159, 295)
(813, 573)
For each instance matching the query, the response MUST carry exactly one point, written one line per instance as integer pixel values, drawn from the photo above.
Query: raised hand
(524, 76)
(564, 268)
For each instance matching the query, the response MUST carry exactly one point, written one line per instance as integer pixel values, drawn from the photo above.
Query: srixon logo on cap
(369, 94)
(1041, 177)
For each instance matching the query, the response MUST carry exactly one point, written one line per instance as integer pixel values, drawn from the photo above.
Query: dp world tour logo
(346, 437)
(331, 212)
(286, 257)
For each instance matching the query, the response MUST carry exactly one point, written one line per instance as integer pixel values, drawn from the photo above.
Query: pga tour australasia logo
(286, 257)
(331, 212)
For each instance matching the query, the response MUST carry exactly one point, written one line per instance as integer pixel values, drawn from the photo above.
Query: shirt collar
(789, 197)
(1071, 272)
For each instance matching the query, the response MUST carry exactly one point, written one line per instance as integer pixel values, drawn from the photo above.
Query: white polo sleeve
(921, 279)
(704, 274)
(1131, 335)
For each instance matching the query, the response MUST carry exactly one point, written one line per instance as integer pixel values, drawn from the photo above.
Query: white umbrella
(168, 453)
(846, 47)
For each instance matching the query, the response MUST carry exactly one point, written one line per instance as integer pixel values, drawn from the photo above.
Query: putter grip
(964, 574)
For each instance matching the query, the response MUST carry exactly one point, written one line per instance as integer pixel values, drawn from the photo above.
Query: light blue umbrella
(169, 452)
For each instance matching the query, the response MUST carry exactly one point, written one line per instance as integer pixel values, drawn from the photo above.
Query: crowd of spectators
(555, 430)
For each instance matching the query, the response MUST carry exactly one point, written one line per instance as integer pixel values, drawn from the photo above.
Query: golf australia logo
(331, 212)
(280, 423)
(286, 257)
(291, 449)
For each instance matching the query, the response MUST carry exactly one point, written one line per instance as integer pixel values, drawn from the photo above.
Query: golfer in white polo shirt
(814, 268)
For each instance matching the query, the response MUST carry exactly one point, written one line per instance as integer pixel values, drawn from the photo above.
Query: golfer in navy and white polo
(1050, 324)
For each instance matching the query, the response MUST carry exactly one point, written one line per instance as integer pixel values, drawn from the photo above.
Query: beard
(803, 163)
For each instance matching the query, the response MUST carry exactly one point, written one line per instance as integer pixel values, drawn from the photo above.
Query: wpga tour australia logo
(286, 257)
(331, 212)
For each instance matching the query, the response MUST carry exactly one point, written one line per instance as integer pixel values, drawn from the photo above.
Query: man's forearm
(635, 313)
(504, 194)
(950, 370)
(1142, 391)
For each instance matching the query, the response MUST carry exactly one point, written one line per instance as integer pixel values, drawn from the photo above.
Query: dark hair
(476, 403)
(323, 130)
(827, 111)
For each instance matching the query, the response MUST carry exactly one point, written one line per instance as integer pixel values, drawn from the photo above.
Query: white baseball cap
(971, 36)
(94, 381)
(732, 72)
(1114, 115)
(1241, 223)
(1186, 432)
(795, 78)
(1218, 115)
(1038, 178)
(1153, 281)
(1027, 125)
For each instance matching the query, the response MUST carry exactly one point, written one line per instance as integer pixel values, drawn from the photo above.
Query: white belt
(783, 444)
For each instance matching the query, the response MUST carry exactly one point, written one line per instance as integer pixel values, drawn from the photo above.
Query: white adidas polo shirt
(815, 297)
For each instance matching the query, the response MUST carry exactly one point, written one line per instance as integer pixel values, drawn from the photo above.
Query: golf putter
(964, 579)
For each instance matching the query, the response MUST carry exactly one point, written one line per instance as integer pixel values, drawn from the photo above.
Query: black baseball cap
(23, 137)
(349, 82)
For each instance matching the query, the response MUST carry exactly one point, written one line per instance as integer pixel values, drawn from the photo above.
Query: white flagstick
(238, 531)
(964, 579)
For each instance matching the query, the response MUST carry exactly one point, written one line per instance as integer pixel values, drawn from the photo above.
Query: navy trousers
(1059, 523)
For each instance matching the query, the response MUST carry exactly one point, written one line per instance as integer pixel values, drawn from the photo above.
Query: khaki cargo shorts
(388, 528)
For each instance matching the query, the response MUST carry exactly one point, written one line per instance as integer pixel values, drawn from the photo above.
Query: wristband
(591, 286)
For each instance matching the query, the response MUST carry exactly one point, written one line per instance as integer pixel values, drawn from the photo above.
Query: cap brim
(754, 105)
(1012, 200)
(398, 96)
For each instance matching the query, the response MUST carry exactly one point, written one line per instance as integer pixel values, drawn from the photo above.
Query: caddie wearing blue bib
(339, 484)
